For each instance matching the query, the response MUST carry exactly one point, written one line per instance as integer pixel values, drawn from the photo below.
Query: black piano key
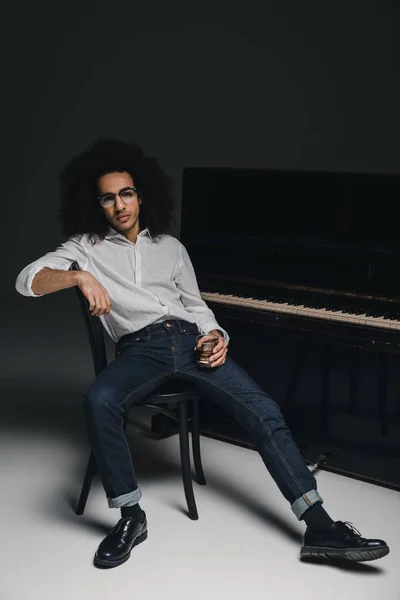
(314, 300)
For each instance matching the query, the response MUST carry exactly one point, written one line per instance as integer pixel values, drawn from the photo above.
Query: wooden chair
(175, 393)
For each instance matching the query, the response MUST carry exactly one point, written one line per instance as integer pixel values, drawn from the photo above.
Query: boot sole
(99, 562)
(347, 554)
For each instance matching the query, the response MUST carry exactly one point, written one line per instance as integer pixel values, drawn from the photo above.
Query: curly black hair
(80, 209)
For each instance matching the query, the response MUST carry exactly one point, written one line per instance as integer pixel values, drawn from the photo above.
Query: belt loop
(148, 334)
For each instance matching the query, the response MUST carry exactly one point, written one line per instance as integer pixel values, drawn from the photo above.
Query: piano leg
(382, 392)
(398, 393)
(325, 392)
(354, 381)
(294, 379)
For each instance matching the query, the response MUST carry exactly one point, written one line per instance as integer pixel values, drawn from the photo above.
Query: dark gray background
(268, 84)
(288, 84)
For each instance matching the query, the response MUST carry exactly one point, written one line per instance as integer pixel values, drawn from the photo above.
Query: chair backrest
(94, 329)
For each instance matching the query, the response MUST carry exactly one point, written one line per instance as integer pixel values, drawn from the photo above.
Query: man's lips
(122, 217)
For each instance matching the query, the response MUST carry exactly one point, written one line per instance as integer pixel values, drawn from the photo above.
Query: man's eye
(128, 194)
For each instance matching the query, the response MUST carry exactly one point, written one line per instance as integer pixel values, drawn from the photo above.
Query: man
(116, 208)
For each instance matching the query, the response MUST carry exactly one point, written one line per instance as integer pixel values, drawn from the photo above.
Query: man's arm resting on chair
(49, 280)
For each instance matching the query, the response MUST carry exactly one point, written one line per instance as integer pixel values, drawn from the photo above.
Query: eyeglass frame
(118, 194)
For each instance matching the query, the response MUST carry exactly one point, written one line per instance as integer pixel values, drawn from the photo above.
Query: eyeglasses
(127, 195)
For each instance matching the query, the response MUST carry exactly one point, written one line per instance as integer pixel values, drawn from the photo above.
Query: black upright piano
(314, 255)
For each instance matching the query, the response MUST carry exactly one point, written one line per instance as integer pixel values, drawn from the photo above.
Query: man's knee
(100, 398)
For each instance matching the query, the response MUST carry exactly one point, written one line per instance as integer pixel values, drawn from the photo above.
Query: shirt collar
(114, 233)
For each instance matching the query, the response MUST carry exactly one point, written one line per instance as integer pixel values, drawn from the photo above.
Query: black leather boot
(116, 548)
(341, 541)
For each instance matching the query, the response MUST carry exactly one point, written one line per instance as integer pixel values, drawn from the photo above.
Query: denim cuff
(305, 501)
(129, 499)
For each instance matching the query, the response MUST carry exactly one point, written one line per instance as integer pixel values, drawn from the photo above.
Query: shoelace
(119, 526)
(353, 529)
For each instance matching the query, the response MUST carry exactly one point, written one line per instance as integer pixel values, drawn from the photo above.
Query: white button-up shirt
(147, 281)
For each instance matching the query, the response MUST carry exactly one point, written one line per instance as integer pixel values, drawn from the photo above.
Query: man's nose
(119, 205)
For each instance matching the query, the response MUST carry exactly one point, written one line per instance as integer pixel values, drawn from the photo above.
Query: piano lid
(333, 230)
(305, 207)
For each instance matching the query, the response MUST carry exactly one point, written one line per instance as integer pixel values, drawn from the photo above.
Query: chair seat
(171, 391)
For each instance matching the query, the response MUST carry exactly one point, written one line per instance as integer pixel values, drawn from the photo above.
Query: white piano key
(285, 308)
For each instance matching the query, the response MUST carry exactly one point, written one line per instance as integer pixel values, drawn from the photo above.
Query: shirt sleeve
(186, 282)
(60, 259)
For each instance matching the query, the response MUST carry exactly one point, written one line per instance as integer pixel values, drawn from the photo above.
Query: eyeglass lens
(125, 195)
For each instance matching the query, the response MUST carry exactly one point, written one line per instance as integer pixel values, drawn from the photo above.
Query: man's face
(114, 183)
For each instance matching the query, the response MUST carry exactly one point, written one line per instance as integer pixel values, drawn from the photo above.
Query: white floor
(245, 544)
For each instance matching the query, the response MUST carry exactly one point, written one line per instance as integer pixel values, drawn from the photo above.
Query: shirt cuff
(207, 327)
(29, 280)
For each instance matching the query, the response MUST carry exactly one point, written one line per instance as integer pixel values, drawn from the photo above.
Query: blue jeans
(164, 351)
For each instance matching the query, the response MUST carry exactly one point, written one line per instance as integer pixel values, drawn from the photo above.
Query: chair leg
(185, 460)
(198, 467)
(90, 472)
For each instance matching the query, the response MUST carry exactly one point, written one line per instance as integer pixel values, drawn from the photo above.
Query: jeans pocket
(140, 338)
(190, 329)
(135, 339)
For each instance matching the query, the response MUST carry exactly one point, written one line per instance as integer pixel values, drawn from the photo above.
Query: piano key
(357, 318)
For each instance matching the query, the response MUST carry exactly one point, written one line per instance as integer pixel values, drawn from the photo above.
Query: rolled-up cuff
(305, 501)
(129, 499)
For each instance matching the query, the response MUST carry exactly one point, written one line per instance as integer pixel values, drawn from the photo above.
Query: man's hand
(220, 350)
(95, 293)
